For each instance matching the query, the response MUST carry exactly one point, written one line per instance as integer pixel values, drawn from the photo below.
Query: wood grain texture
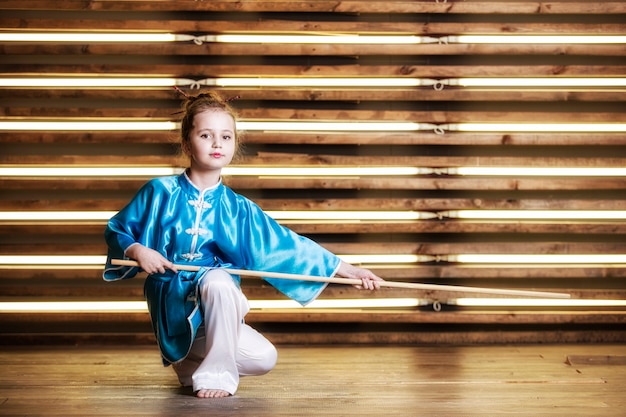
(524, 380)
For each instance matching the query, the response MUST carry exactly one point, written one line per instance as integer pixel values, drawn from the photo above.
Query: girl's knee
(216, 280)
(270, 357)
(263, 361)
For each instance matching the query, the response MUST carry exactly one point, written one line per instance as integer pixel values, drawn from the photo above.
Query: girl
(194, 219)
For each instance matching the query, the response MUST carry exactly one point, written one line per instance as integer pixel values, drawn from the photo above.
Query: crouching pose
(194, 219)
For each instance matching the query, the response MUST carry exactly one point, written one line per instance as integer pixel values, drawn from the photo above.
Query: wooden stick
(350, 281)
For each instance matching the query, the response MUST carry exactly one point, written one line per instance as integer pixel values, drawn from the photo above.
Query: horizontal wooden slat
(280, 68)
(66, 23)
(290, 160)
(351, 94)
(344, 6)
(426, 204)
(269, 113)
(384, 247)
(364, 227)
(11, 322)
(378, 183)
(363, 138)
(321, 49)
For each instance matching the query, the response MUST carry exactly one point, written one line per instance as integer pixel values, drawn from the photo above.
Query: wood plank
(572, 228)
(345, 6)
(276, 26)
(364, 138)
(384, 247)
(492, 184)
(48, 322)
(290, 114)
(433, 204)
(307, 160)
(347, 69)
(321, 49)
(595, 360)
(331, 94)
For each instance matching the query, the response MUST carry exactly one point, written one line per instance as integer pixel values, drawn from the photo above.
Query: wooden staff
(350, 281)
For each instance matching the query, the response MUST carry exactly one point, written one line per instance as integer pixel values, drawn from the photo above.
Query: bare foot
(212, 393)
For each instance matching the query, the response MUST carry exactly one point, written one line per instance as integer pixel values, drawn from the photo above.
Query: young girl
(194, 219)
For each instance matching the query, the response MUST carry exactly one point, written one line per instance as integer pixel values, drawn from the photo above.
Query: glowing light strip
(536, 39)
(537, 259)
(78, 125)
(304, 126)
(537, 127)
(538, 171)
(94, 82)
(128, 37)
(536, 82)
(74, 307)
(536, 302)
(31, 261)
(321, 82)
(56, 215)
(71, 171)
(340, 303)
(293, 38)
(25, 171)
(386, 258)
(352, 215)
(277, 215)
(141, 307)
(315, 127)
(326, 171)
(536, 214)
(323, 39)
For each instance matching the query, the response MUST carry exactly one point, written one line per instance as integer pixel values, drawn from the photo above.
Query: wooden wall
(432, 193)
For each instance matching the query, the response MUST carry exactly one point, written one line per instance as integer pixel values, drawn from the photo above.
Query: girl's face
(212, 140)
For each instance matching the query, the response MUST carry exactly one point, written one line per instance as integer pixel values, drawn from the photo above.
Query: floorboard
(322, 381)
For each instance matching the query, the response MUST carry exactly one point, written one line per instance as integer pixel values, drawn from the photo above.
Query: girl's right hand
(149, 260)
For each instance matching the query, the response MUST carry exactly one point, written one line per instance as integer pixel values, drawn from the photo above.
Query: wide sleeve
(265, 245)
(130, 225)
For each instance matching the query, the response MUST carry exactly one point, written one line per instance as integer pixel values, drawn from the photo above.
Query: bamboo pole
(384, 283)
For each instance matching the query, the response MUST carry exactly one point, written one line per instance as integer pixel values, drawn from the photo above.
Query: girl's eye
(226, 137)
(205, 136)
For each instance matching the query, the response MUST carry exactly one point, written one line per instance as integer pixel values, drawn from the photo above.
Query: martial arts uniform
(211, 228)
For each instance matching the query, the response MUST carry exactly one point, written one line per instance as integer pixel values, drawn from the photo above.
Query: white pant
(226, 348)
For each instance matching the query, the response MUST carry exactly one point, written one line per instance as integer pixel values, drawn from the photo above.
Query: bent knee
(216, 280)
(262, 362)
(270, 359)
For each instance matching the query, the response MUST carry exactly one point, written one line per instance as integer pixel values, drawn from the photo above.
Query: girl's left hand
(369, 280)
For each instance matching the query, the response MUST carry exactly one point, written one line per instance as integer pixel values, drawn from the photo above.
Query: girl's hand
(369, 281)
(149, 260)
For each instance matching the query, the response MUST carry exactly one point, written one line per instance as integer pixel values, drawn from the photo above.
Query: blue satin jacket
(211, 228)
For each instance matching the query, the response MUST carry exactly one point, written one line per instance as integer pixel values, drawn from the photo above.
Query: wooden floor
(533, 380)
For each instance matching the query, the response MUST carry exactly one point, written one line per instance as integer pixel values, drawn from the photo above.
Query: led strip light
(565, 260)
(314, 126)
(299, 38)
(320, 171)
(124, 307)
(50, 216)
(82, 81)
